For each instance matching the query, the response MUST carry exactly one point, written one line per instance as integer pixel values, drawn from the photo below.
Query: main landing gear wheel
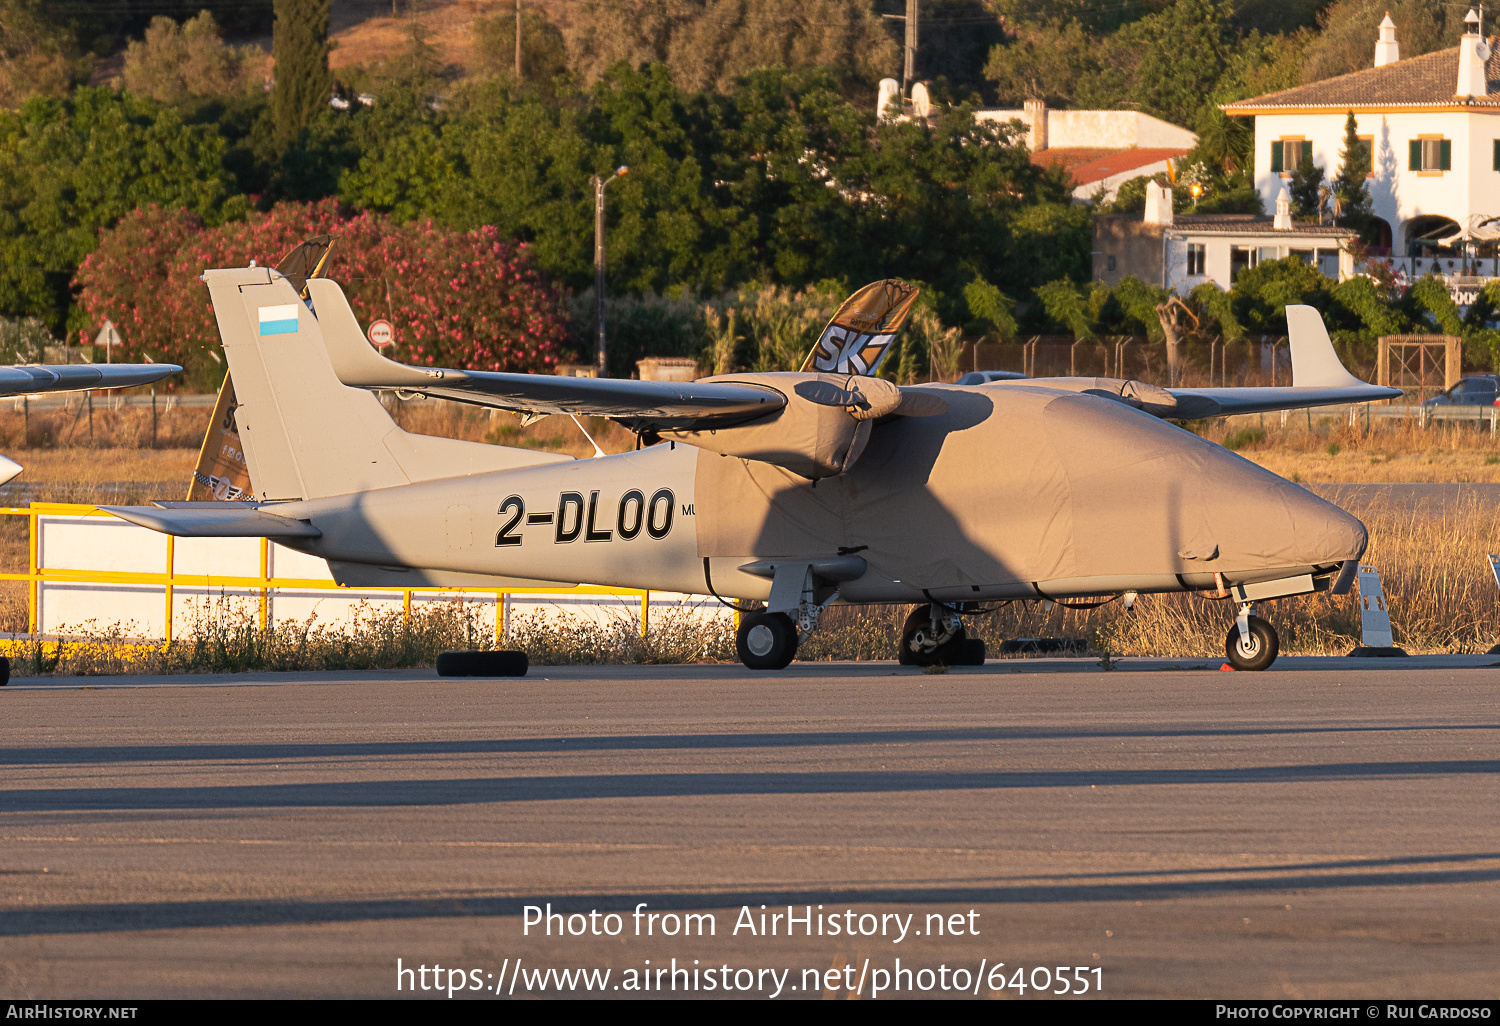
(921, 645)
(1254, 651)
(766, 641)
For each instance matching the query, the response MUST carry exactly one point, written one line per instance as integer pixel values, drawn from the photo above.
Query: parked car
(1478, 390)
(985, 377)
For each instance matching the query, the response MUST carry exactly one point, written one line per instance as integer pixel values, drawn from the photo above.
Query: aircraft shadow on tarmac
(566, 787)
(93, 754)
(178, 915)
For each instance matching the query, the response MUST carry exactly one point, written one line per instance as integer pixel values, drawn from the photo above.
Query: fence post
(171, 573)
(33, 585)
(265, 576)
(645, 612)
(499, 618)
(406, 608)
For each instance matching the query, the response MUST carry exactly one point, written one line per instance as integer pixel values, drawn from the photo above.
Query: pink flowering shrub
(456, 299)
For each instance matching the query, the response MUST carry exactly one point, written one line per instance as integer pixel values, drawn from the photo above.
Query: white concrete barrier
(99, 571)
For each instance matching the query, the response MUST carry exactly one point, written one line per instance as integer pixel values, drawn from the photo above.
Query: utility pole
(599, 182)
(909, 71)
(518, 40)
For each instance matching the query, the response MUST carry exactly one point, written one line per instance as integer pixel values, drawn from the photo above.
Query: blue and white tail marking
(278, 320)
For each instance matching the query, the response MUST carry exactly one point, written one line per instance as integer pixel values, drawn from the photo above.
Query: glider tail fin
(863, 330)
(305, 433)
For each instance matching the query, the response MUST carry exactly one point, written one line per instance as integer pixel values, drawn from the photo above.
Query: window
(1267, 253)
(1305, 255)
(1328, 263)
(1197, 257)
(1109, 262)
(1430, 154)
(1286, 154)
(1239, 260)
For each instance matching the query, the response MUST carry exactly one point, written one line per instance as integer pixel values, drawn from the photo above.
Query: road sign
(381, 333)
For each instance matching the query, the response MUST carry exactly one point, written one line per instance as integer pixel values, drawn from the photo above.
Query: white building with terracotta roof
(1099, 149)
(1432, 124)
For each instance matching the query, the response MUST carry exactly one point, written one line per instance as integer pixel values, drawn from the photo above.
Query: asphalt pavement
(1326, 829)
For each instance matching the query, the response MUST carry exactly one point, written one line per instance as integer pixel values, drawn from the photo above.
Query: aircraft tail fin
(305, 433)
(1314, 363)
(860, 336)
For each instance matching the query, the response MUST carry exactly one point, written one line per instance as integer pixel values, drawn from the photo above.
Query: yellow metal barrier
(170, 579)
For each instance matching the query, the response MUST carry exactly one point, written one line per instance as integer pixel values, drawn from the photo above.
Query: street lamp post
(600, 182)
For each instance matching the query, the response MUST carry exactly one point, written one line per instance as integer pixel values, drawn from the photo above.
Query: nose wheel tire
(766, 641)
(1256, 650)
(920, 648)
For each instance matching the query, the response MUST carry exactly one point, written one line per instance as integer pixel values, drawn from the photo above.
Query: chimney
(921, 102)
(1386, 50)
(1035, 116)
(1158, 204)
(1473, 54)
(1283, 222)
(888, 106)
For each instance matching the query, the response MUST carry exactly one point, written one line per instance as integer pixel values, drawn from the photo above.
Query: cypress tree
(1351, 186)
(300, 50)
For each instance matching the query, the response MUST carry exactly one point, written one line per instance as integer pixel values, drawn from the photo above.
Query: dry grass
(1323, 448)
(1432, 561)
(227, 639)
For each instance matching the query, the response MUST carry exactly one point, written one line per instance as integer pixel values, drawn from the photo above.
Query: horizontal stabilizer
(31, 379)
(214, 520)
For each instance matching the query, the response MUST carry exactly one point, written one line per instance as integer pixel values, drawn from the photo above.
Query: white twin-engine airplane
(784, 492)
(31, 379)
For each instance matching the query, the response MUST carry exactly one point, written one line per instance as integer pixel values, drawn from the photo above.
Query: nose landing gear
(1252, 643)
(935, 634)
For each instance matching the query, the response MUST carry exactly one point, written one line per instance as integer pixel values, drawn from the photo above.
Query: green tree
(1262, 293)
(991, 307)
(69, 168)
(174, 62)
(1351, 187)
(41, 50)
(708, 44)
(300, 51)
(544, 53)
(1306, 188)
(1045, 61)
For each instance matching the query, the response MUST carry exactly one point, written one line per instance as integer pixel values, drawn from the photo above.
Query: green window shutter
(1445, 156)
(1414, 156)
(1276, 156)
(1304, 152)
(1497, 154)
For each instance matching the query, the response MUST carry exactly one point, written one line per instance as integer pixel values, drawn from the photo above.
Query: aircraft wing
(1198, 403)
(1318, 379)
(28, 379)
(641, 404)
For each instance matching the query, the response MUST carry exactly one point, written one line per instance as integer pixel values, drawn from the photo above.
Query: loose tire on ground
(482, 664)
(953, 652)
(766, 641)
(4, 671)
(1257, 650)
